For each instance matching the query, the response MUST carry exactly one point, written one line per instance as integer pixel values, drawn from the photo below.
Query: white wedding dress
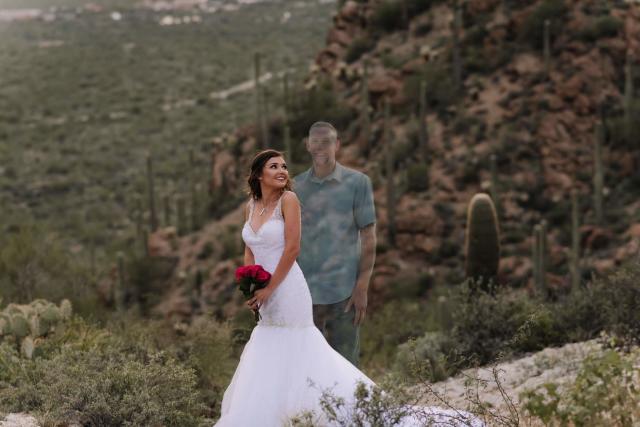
(285, 349)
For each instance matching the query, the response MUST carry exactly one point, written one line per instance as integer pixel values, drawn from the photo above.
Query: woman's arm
(292, 226)
(248, 255)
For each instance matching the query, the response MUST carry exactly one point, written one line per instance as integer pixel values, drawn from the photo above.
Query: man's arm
(368, 256)
(365, 217)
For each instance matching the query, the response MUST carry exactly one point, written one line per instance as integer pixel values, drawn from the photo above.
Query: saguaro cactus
(389, 172)
(628, 96)
(482, 242)
(261, 126)
(365, 119)
(285, 95)
(181, 213)
(547, 45)
(598, 175)
(422, 124)
(196, 214)
(494, 183)
(539, 258)
(287, 144)
(150, 188)
(166, 209)
(457, 56)
(119, 290)
(506, 7)
(574, 265)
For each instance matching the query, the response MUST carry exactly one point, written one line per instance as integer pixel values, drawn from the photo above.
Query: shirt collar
(335, 174)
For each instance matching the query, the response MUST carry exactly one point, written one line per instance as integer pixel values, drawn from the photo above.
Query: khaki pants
(337, 327)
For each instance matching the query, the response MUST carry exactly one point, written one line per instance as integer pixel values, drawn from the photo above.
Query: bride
(287, 362)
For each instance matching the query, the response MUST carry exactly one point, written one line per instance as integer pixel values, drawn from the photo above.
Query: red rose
(263, 276)
(252, 270)
(240, 272)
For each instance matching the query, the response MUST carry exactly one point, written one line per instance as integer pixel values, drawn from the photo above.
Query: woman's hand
(260, 297)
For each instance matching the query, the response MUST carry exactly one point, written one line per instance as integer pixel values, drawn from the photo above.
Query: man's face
(322, 145)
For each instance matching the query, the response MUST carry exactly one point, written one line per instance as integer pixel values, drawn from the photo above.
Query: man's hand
(359, 301)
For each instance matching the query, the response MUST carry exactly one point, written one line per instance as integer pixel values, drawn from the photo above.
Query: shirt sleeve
(364, 211)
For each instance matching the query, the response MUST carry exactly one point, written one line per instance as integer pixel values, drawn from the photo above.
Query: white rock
(19, 420)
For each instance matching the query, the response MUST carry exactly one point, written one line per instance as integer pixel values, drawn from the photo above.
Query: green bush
(440, 87)
(603, 393)
(415, 7)
(379, 405)
(533, 26)
(388, 16)
(484, 326)
(418, 177)
(131, 372)
(358, 47)
(35, 264)
(617, 127)
(391, 325)
(101, 382)
(619, 301)
(600, 27)
(425, 357)
(422, 29)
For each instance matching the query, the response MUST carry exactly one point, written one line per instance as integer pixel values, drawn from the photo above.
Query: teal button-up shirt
(333, 209)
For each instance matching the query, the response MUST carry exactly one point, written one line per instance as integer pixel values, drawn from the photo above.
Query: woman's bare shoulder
(290, 196)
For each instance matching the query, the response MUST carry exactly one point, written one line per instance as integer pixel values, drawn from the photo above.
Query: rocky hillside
(511, 105)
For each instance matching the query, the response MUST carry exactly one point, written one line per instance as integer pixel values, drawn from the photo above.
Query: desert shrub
(35, 264)
(620, 135)
(475, 35)
(391, 61)
(415, 7)
(540, 329)
(358, 47)
(470, 125)
(603, 393)
(388, 16)
(131, 372)
(205, 346)
(484, 325)
(427, 357)
(206, 251)
(422, 29)
(620, 296)
(418, 177)
(441, 91)
(146, 279)
(98, 379)
(389, 326)
(231, 242)
(379, 405)
(487, 327)
(532, 29)
(600, 27)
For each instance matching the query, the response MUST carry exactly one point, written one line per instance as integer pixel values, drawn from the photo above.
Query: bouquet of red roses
(250, 278)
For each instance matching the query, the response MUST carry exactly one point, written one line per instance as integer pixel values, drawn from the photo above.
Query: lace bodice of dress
(267, 242)
(290, 304)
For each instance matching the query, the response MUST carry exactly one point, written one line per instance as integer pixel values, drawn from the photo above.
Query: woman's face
(275, 173)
